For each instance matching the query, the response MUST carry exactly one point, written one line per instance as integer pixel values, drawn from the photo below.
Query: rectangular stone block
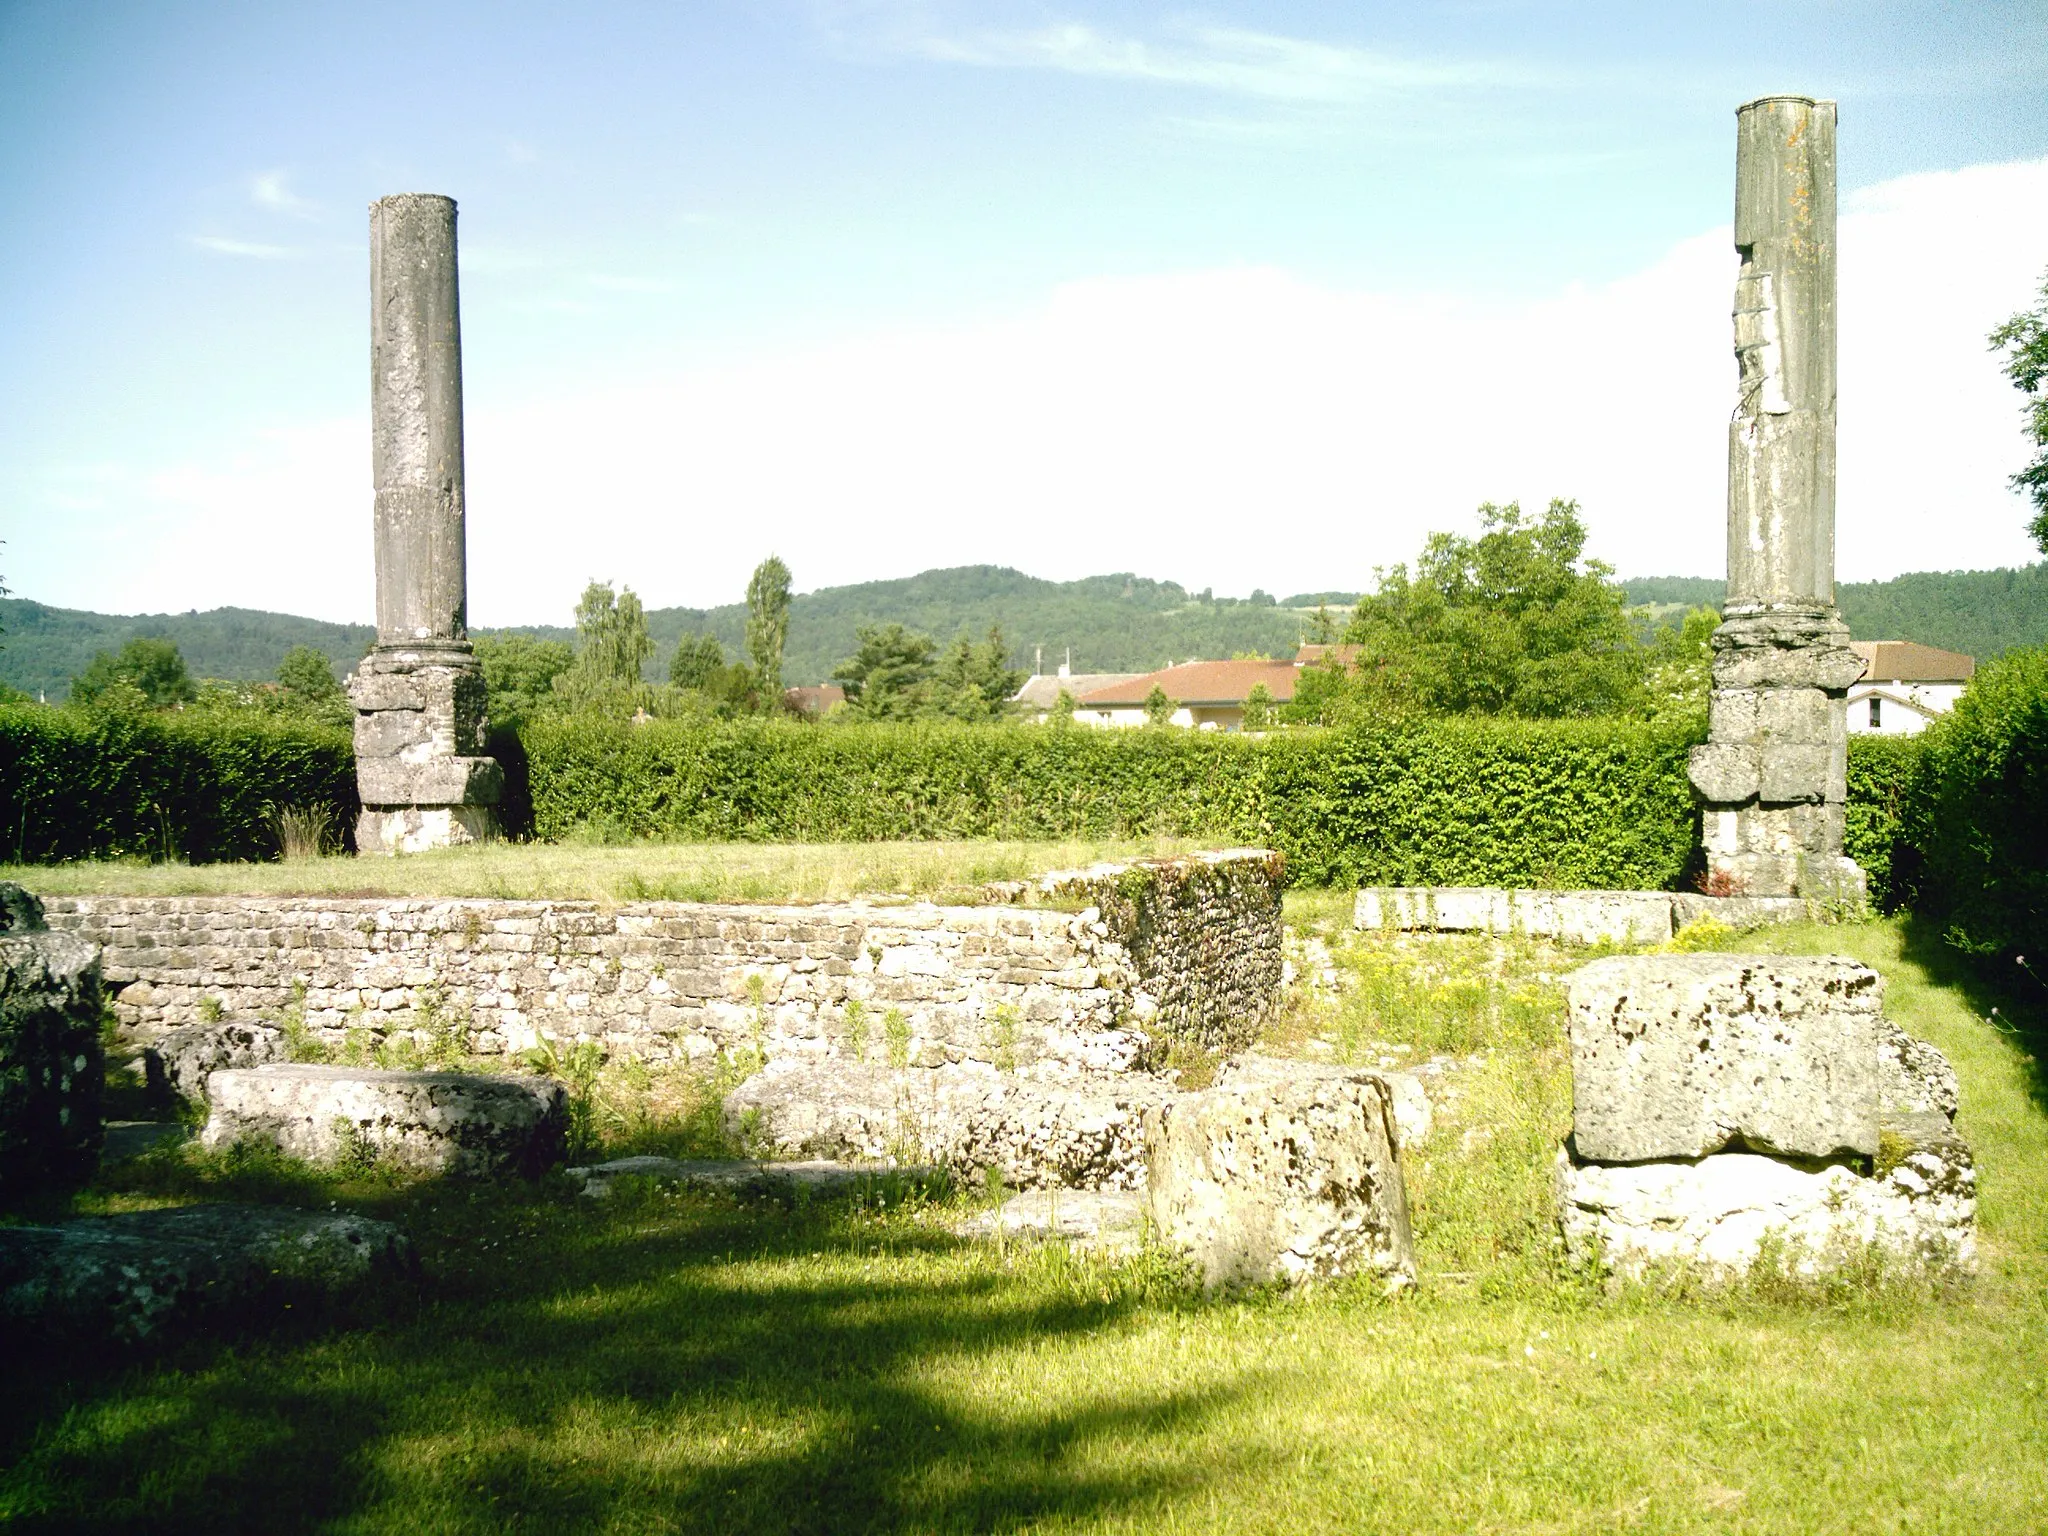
(1793, 715)
(1793, 774)
(1725, 773)
(1732, 714)
(373, 691)
(1677, 1056)
(438, 781)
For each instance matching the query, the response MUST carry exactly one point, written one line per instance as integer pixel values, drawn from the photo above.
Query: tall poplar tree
(768, 623)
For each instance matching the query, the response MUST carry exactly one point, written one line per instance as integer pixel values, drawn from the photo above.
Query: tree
(614, 646)
(1322, 629)
(2025, 340)
(1158, 707)
(309, 686)
(1514, 622)
(1679, 675)
(1258, 708)
(520, 673)
(889, 677)
(768, 622)
(147, 672)
(699, 662)
(1063, 708)
(976, 682)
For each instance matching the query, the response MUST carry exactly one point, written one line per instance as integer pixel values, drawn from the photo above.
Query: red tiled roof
(1907, 661)
(1346, 656)
(1202, 683)
(814, 699)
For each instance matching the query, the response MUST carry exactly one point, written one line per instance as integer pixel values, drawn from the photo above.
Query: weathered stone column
(419, 696)
(1774, 772)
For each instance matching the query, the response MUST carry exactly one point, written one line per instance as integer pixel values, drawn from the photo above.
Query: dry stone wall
(1049, 994)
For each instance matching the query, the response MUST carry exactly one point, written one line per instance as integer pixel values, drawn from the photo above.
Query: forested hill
(1980, 613)
(1113, 623)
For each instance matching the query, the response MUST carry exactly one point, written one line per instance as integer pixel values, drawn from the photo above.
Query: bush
(1600, 803)
(1977, 812)
(1881, 775)
(77, 785)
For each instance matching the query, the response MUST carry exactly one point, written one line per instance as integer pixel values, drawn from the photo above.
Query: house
(1208, 695)
(1041, 691)
(1904, 685)
(1341, 656)
(813, 699)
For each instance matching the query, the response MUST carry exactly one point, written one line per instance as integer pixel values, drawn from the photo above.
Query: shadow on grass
(2012, 997)
(667, 1364)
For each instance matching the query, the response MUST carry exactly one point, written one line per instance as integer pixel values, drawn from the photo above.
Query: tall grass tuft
(304, 831)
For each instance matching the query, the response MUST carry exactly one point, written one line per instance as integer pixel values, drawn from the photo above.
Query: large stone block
(423, 1122)
(1719, 1214)
(52, 1066)
(1577, 917)
(142, 1274)
(1082, 1132)
(390, 781)
(177, 1064)
(1791, 774)
(1725, 772)
(1282, 1181)
(1412, 1113)
(1683, 1055)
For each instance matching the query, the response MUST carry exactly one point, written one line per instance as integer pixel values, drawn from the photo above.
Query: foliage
(889, 676)
(768, 622)
(194, 785)
(1515, 622)
(1158, 707)
(1978, 811)
(974, 682)
(148, 672)
(613, 647)
(1593, 803)
(1678, 671)
(699, 662)
(2025, 340)
(1259, 711)
(307, 677)
(1881, 776)
(520, 673)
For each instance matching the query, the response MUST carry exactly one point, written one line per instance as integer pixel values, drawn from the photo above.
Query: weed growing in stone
(896, 1035)
(855, 1017)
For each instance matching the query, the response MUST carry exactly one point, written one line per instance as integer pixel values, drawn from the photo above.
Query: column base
(394, 829)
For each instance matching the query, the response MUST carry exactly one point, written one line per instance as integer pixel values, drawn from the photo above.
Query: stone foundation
(1576, 917)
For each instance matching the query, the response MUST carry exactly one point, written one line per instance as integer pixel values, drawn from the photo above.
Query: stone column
(1774, 771)
(419, 696)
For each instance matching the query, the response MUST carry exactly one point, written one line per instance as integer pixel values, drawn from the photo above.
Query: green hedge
(1976, 815)
(1881, 777)
(1570, 803)
(196, 787)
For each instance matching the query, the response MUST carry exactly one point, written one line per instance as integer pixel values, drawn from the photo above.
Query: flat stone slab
(1104, 1221)
(1412, 1114)
(1083, 1131)
(1717, 1215)
(1679, 1056)
(135, 1276)
(177, 1064)
(422, 1122)
(745, 1176)
(1574, 917)
(1285, 1181)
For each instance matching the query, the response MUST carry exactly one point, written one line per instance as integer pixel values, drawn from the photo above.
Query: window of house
(1876, 712)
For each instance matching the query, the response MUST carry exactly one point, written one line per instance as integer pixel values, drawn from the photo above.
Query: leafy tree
(699, 662)
(1258, 708)
(889, 677)
(520, 673)
(1322, 626)
(1324, 694)
(976, 682)
(768, 622)
(1514, 622)
(1158, 707)
(1679, 673)
(146, 673)
(2025, 340)
(614, 647)
(1063, 708)
(309, 686)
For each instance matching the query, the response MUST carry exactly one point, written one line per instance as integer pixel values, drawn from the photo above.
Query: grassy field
(793, 872)
(665, 1362)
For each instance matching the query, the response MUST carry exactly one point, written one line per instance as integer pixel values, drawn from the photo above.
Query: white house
(1904, 686)
(1207, 695)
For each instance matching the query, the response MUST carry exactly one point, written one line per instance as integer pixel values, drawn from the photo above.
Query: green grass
(756, 872)
(665, 1362)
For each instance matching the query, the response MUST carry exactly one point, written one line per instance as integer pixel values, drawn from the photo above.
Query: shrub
(198, 787)
(1881, 773)
(1977, 811)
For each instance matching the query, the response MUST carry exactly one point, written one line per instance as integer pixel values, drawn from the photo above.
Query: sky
(1237, 296)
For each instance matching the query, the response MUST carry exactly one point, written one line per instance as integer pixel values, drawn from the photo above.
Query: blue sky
(1234, 295)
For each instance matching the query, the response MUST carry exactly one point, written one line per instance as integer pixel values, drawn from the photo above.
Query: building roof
(1042, 690)
(814, 699)
(1346, 656)
(1907, 661)
(1201, 683)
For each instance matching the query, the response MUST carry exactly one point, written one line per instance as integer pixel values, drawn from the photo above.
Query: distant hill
(1120, 623)
(1980, 613)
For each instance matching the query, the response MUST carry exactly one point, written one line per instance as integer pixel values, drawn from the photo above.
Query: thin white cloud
(225, 247)
(268, 189)
(1235, 61)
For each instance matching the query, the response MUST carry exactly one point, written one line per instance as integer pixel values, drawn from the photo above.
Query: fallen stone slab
(1082, 1132)
(132, 1138)
(139, 1275)
(1912, 1075)
(421, 1122)
(1679, 1056)
(1286, 1181)
(177, 1064)
(1717, 1215)
(52, 1065)
(1102, 1221)
(747, 1176)
(1412, 1114)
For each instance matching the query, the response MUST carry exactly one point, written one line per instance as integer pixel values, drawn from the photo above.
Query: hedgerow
(196, 787)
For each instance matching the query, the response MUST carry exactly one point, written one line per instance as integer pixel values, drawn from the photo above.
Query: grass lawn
(765, 872)
(664, 1362)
